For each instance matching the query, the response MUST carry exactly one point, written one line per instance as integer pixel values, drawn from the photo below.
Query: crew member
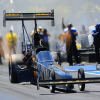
(1, 49)
(69, 37)
(11, 41)
(96, 35)
(40, 31)
(84, 37)
(41, 34)
(34, 32)
(45, 39)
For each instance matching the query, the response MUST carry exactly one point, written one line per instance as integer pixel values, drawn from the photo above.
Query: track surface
(10, 91)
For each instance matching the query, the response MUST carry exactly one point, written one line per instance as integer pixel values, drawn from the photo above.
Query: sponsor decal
(12, 14)
(33, 58)
(35, 74)
(41, 14)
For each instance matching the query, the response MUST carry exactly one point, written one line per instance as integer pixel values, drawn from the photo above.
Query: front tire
(82, 76)
(52, 77)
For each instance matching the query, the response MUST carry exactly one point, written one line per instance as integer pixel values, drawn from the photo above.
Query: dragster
(35, 64)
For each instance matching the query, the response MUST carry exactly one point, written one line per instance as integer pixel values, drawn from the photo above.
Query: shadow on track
(58, 91)
(86, 91)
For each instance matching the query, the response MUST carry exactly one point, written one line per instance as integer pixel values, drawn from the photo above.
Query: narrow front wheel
(52, 77)
(81, 75)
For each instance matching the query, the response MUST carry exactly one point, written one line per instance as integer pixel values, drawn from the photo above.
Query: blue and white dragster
(36, 65)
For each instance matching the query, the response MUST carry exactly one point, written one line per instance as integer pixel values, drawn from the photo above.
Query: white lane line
(93, 72)
(88, 72)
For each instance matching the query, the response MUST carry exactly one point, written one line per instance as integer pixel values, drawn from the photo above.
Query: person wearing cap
(40, 31)
(11, 41)
(1, 49)
(34, 32)
(41, 34)
(84, 37)
(45, 39)
(69, 36)
(96, 36)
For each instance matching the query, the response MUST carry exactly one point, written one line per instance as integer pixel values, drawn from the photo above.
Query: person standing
(41, 34)
(40, 31)
(84, 37)
(96, 35)
(1, 49)
(45, 39)
(69, 37)
(11, 41)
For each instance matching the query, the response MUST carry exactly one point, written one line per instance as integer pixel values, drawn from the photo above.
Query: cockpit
(45, 56)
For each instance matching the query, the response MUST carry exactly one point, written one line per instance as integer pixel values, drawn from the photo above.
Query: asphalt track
(10, 91)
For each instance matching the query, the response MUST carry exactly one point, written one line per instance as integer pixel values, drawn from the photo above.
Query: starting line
(88, 67)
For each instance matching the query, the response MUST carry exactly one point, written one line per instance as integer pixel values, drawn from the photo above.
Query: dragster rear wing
(28, 16)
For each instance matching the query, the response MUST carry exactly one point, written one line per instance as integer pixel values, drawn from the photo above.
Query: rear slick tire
(81, 75)
(12, 74)
(15, 59)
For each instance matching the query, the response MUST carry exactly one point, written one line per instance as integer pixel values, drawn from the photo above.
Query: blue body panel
(59, 74)
(62, 74)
